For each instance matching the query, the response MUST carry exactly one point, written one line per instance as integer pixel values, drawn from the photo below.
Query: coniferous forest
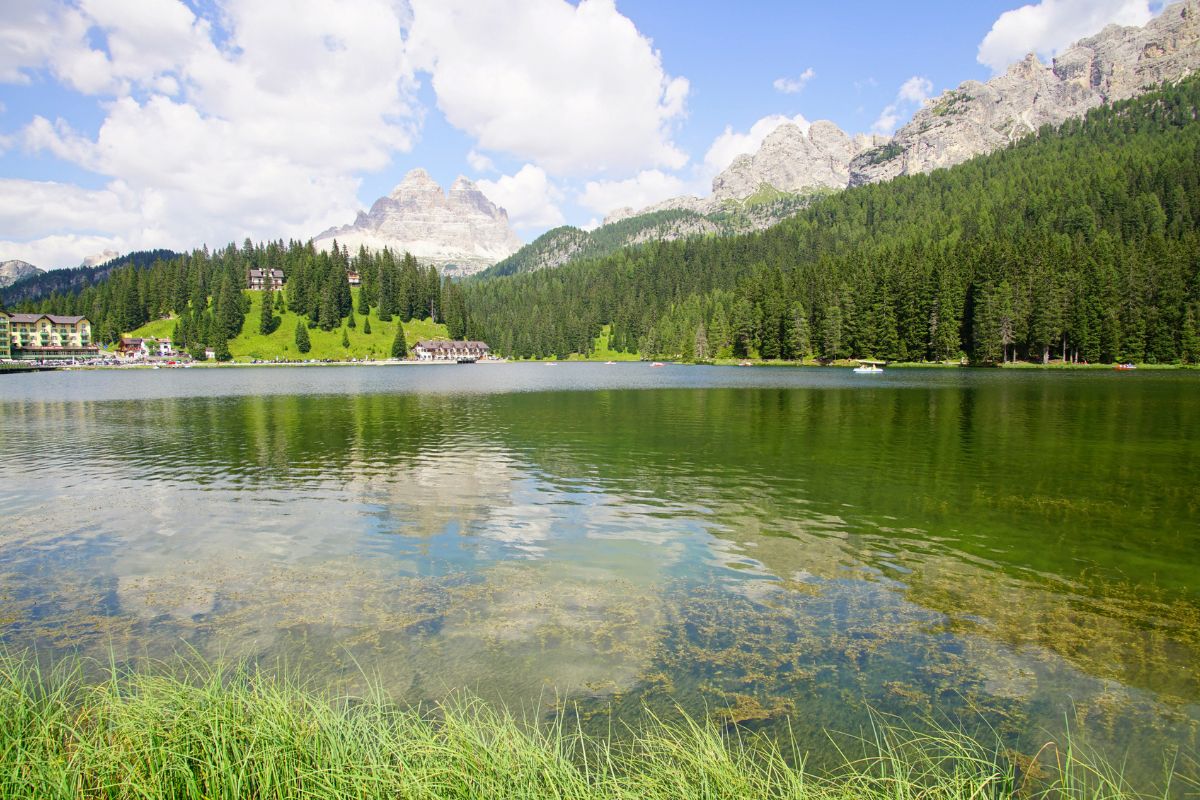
(204, 291)
(1078, 243)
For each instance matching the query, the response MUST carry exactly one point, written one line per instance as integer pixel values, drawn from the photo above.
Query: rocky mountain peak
(792, 159)
(416, 181)
(1115, 64)
(1027, 68)
(14, 270)
(462, 232)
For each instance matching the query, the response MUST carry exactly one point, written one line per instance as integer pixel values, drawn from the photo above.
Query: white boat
(869, 367)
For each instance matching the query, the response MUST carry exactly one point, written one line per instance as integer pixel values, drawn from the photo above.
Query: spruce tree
(345, 338)
(350, 323)
(367, 325)
(221, 350)
(266, 320)
(1189, 340)
(302, 342)
(399, 345)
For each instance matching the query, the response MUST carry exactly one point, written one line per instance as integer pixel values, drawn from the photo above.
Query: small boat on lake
(1126, 365)
(869, 367)
(658, 364)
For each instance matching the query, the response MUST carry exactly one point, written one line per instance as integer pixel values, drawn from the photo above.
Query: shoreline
(188, 727)
(18, 367)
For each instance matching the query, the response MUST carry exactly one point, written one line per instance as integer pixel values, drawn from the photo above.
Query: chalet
(46, 337)
(445, 350)
(145, 348)
(263, 279)
(354, 278)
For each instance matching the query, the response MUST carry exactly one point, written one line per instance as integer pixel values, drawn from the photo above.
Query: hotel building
(45, 337)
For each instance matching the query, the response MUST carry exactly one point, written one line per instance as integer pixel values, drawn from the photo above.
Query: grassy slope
(281, 343)
(602, 352)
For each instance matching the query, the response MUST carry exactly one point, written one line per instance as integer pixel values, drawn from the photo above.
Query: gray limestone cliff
(976, 118)
(460, 231)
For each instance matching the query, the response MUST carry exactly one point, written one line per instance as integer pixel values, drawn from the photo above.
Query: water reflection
(788, 546)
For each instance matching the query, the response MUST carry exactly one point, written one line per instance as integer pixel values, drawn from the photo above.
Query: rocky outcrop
(976, 118)
(794, 161)
(13, 271)
(462, 232)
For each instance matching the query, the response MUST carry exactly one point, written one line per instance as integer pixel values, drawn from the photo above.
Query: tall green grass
(193, 730)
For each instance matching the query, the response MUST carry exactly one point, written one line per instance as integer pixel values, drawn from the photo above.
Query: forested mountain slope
(1080, 241)
(72, 281)
(564, 244)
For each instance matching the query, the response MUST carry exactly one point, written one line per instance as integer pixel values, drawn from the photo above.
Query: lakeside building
(261, 279)
(5, 338)
(47, 337)
(145, 348)
(443, 350)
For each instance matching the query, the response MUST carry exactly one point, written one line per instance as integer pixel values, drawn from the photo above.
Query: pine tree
(302, 342)
(399, 345)
(345, 338)
(221, 350)
(367, 325)
(350, 323)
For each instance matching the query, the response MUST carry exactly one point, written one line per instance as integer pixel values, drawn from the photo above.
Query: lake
(786, 549)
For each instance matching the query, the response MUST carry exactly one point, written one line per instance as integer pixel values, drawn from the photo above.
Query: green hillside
(566, 243)
(250, 345)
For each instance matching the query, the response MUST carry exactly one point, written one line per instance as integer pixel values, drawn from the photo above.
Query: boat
(658, 364)
(868, 367)
(609, 363)
(1126, 365)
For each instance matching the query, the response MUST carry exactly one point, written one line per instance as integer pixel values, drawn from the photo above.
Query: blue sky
(127, 124)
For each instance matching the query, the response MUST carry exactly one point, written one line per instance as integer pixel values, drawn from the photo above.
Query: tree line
(1079, 242)
(205, 292)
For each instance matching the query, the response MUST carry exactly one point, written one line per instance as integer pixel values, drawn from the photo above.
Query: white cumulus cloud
(479, 162)
(913, 92)
(644, 189)
(256, 128)
(794, 85)
(529, 197)
(1049, 26)
(574, 89)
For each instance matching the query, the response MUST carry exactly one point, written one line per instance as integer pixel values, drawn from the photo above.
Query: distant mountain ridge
(974, 119)
(40, 285)
(14, 270)
(1116, 64)
(460, 231)
(560, 245)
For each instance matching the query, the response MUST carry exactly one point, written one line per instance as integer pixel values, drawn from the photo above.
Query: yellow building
(48, 337)
(5, 338)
